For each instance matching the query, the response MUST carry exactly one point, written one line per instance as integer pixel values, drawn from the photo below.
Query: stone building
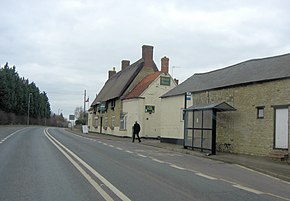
(127, 96)
(258, 90)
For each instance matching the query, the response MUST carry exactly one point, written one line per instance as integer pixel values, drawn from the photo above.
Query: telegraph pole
(85, 94)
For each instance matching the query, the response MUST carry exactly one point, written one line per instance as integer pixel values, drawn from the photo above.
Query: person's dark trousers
(137, 137)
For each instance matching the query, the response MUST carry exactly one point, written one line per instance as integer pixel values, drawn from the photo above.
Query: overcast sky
(67, 46)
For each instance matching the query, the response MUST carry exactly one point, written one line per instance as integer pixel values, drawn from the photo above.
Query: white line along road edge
(75, 160)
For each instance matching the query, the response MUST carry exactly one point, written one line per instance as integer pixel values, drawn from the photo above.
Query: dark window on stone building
(260, 112)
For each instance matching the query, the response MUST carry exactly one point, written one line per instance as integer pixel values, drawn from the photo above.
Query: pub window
(123, 122)
(96, 123)
(113, 104)
(260, 112)
(113, 119)
(106, 123)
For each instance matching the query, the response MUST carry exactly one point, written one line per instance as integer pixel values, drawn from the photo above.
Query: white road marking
(277, 196)
(111, 146)
(142, 155)
(191, 170)
(130, 152)
(205, 176)
(249, 169)
(248, 189)
(119, 148)
(105, 143)
(4, 139)
(156, 160)
(177, 167)
(64, 149)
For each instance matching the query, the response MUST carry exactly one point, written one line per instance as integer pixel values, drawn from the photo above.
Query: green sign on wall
(165, 81)
(149, 109)
(103, 107)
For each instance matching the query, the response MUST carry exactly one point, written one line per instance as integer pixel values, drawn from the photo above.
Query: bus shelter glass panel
(188, 128)
(207, 139)
(188, 138)
(197, 139)
(190, 119)
(198, 129)
(207, 119)
(197, 119)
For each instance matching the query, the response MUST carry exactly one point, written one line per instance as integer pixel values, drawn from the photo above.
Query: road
(38, 163)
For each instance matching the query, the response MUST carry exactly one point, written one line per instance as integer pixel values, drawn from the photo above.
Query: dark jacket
(136, 128)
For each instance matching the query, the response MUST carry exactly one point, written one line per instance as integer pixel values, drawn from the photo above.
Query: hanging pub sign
(165, 81)
(149, 109)
(103, 107)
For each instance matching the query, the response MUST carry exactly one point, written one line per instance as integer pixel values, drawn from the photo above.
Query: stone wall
(242, 129)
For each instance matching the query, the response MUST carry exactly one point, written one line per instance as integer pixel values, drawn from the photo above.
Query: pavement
(272, 167)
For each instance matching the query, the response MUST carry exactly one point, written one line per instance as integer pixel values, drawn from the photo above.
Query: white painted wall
(133, 110)
(171, 117)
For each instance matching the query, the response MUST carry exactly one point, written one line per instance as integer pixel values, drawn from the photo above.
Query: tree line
(19, 97)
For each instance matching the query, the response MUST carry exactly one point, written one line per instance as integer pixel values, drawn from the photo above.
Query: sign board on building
(188, 96)
(71, 117)
(149, 109)
(103, 107)
(165, 81)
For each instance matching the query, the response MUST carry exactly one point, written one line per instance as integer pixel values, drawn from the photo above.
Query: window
(97, 123)
(106, 123)
(113, 104)
(123, 122)
(113, 121)
(260, 112)
(182, 114)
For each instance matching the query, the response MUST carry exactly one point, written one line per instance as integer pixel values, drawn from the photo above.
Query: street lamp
(28, 110)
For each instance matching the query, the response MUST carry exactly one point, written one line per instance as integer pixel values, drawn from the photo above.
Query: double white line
(75, 160)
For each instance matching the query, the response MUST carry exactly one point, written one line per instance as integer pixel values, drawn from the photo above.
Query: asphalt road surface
(38, 163)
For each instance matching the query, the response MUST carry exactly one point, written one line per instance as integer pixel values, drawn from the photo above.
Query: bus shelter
(200, 126)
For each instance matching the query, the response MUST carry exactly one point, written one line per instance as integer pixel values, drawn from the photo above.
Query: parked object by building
(132, 94)
(259, 92)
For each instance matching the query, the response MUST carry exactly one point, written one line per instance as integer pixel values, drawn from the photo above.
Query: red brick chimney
(164, 64)
(112, 72)
(147, 55)
(125, 63)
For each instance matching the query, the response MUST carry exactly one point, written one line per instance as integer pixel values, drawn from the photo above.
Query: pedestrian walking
(136, 130)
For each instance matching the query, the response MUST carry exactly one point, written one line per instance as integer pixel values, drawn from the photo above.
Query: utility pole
(85, 94)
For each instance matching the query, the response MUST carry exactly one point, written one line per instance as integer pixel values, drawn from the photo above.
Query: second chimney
(176, 81)
(125, 63)
(164, 64)
(147, 55)
(112, 72)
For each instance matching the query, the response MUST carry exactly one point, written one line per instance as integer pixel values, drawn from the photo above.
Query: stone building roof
(251, 71)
